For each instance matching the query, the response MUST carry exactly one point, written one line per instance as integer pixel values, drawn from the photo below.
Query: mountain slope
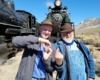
(88, 26)
(88, 23)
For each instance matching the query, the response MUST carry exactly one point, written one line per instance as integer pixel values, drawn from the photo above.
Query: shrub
(96, 43)
(88, 41)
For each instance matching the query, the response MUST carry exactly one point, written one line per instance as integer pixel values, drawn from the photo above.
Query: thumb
(58, 53)
(57, 50)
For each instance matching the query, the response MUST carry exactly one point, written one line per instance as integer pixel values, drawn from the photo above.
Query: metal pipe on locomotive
(59, 16)
(12, 23)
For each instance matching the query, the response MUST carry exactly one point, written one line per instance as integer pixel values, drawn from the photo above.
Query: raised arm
(22, 41)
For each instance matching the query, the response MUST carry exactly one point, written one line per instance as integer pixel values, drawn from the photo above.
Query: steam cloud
(50, 4)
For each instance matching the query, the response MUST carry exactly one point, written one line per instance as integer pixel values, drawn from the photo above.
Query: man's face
(45, 31)
(67, 36)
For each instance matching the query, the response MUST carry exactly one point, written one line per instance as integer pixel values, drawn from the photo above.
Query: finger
(45, 41)
(57, 50)
(50, 50)
(46, 49)
(48, 44)
(43, 45)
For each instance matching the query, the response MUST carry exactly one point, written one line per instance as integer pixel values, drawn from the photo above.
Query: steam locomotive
(13, 22)
(59, 16)
(19, 22)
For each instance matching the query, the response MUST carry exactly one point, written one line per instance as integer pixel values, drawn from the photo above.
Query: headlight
(58, 3)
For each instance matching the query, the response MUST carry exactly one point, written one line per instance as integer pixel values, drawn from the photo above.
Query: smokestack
(10, 4)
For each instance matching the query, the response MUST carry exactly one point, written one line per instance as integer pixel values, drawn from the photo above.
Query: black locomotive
(59, 16)
(18, 22)
(13, 22)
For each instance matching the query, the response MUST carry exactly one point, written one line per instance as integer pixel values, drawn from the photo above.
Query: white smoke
(50, 4)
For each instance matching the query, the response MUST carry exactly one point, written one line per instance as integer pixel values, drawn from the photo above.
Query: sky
(79, 9)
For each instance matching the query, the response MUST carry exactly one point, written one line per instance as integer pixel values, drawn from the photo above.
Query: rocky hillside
(88, 26)
(89, 23)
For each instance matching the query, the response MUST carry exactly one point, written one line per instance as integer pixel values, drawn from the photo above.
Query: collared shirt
(39, 68)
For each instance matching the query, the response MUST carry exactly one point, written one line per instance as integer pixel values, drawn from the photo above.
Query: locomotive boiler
(12, 23)
(58, 15)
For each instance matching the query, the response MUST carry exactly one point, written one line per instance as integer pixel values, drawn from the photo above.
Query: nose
(47, 31)
(66, 34)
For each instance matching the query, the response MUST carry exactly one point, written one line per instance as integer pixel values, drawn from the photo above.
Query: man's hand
(58, 57)
(47, 52)
(44, 42)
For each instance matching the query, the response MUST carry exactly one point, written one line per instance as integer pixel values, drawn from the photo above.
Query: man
(73, 59)
(38, 56)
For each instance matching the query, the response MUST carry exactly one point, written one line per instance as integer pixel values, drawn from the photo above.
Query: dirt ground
(9, 69)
